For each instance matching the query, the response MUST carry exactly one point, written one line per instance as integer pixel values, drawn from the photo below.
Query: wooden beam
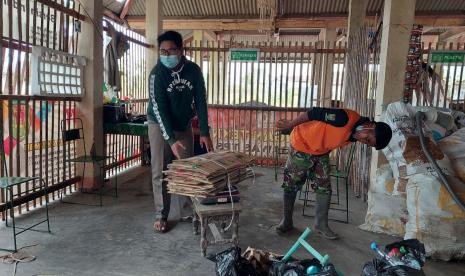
(312, 32)
(425, 19)
(440, 21)
(452, 34)
(127, 6)
(213, 24)
(111, 15)
(311, 23)
(187, 38)
(128, 38)
(65, 10)
(210, 35)
(136, 22)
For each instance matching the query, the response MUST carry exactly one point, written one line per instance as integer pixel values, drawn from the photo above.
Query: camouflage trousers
(301, 167)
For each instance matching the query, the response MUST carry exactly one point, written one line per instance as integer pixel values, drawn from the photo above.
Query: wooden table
(135, 129)
(211, 215)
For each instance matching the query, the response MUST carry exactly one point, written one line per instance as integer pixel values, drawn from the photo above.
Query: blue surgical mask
(169, 61)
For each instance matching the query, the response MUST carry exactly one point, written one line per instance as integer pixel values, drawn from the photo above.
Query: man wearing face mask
(174, 83)
(314, 134)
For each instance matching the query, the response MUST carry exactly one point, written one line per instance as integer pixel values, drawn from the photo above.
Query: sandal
(160, 226)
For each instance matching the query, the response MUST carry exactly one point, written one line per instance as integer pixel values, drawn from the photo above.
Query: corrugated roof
(206, 8)
(313, 7)
(137, 8)
(241, 8)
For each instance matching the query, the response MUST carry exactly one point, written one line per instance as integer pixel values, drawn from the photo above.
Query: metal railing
(441, 84)
(30, 125)
(246, 99)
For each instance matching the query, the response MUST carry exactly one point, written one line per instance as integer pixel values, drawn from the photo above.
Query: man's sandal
(160, 226)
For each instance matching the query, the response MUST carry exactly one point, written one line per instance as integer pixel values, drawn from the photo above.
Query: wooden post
(398, 20)
(154, 17)
(91, 107)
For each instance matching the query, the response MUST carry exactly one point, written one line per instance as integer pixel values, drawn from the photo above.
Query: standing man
(174, 83)
(314, 135)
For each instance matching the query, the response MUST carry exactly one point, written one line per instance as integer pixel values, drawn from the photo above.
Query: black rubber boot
(286, 223)
(323, 201)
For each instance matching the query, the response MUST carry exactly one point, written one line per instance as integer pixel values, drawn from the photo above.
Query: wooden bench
(212, 216)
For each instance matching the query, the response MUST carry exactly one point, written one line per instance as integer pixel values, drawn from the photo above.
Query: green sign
(244, 54)
(447, 56)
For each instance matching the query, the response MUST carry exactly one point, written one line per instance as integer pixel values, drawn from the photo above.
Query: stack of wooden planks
(205, 175)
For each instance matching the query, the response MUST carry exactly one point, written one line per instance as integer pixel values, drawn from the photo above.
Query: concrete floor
(118, 239)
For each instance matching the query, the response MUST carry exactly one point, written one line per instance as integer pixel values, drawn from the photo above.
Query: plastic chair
(76, 135)
(338, 173)
(7, 184)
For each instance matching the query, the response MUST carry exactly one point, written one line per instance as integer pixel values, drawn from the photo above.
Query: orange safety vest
(317, 138)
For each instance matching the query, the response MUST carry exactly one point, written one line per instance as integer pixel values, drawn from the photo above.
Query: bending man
(314, 135)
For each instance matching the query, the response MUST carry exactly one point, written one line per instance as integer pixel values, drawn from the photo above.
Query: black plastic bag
(299, 268)
(414, 246)
(380, 267)
(292, 268)
(230, 263)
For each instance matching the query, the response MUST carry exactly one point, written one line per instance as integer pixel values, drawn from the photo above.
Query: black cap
(383, 135)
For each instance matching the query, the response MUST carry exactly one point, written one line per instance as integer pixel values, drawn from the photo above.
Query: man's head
(374, 134)
(170, 48)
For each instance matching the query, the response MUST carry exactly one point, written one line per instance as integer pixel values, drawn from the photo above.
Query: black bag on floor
(299, 268)
(230, 263)
(380, 267)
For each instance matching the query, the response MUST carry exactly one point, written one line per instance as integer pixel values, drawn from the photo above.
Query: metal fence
(441, 84)
(246, 98)
(30, 125)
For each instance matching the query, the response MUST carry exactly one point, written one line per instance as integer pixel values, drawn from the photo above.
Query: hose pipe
(419, 117)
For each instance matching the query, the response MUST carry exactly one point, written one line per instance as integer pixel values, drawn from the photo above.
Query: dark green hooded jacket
(171, 94)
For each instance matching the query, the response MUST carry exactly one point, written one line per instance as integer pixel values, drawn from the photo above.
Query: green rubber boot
(323, 201)
(286, 223)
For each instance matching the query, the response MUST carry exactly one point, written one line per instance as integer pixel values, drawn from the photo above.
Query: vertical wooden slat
(337, 61)
(343, 74)
(249, 127)
(231, 83)
(455, 64)
(220, 92)
(226, 83)
(41, 139)
(269, 126)
(10, 52)
(313, 74)
(239, 126)
(446, 88)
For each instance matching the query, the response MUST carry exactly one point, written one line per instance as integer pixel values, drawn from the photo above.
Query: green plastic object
(104, 88)
(324, 260)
